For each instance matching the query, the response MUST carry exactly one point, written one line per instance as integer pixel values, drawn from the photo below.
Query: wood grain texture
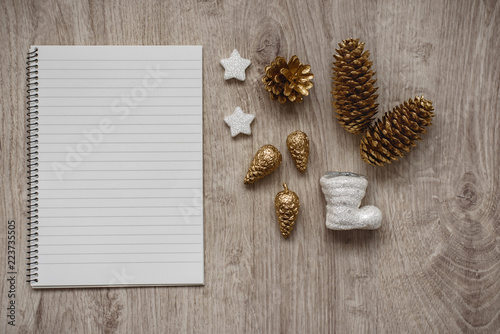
(433, 267)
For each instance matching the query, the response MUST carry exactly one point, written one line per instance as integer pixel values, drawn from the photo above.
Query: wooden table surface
(433, 266)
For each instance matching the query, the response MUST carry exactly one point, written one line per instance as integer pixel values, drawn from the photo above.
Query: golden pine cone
(394, 135)
(265, 161)
(288, 81)
(287, 206)
(354, 86)
(298, 145)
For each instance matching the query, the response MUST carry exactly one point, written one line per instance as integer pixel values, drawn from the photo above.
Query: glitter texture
(298, 145)
(235, 66)
(239, 122)
(343, 193)
(265, 161)
(287, 207)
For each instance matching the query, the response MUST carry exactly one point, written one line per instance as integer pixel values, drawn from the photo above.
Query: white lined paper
(120, 166)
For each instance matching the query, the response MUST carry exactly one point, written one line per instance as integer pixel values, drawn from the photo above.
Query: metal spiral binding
(32, 117)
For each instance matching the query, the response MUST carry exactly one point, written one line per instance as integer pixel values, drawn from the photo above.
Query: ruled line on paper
(117, 87)
(118, 207)
(126, 161)
(66, 124)
(119, 225)
(94, 78)
(114, 234)
(108, 115)
(124, 133)
(47, 263)
(130, 170)
(156, 179)
(114, 216)
(108, 96)
(72, 188)
(118, 69)
(107, 106)
(155, 60)
(128, 244)
(120, 253)
(134, 142)
(120, 152)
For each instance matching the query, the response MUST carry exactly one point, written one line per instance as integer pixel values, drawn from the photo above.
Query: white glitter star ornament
(239, 122)
(235, 66)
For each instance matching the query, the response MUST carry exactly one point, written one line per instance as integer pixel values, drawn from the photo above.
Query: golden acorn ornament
(265, 161)
(298, 145)
(288, 81)
(354, 86)
(287, 206)
(393, 136)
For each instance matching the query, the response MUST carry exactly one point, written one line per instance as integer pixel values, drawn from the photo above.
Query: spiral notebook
(115, 166)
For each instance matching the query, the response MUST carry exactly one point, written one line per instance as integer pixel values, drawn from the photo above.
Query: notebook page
(120, 166)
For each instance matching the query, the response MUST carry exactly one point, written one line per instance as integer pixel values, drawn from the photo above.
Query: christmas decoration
(235, 66)
(239, 122)
(288, 81)
(343, 193)
(354, 86)
(287, 206)
(265, 161)
(298, 145)
(394, 135)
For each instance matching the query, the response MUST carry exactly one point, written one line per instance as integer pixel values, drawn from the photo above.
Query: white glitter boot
(343, 193)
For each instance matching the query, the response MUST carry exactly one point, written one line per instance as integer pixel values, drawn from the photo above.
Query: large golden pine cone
(394, 135)
(265, 161)
(288, 81)
(287, 206)
(354, 86)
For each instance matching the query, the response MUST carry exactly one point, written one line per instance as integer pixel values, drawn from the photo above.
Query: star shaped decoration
(235, 66)
(239, 122)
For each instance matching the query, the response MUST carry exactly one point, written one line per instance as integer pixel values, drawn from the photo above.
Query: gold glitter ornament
(265, 161)
(354, 86)
(393, 136)
(287, 206)
(298, 145)
(288, 81)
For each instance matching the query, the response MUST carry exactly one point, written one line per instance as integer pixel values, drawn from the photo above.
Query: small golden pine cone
(288, 81)
(265, 161)
(298, 145)
(287, 206)
(354, 86)
(394, 135)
